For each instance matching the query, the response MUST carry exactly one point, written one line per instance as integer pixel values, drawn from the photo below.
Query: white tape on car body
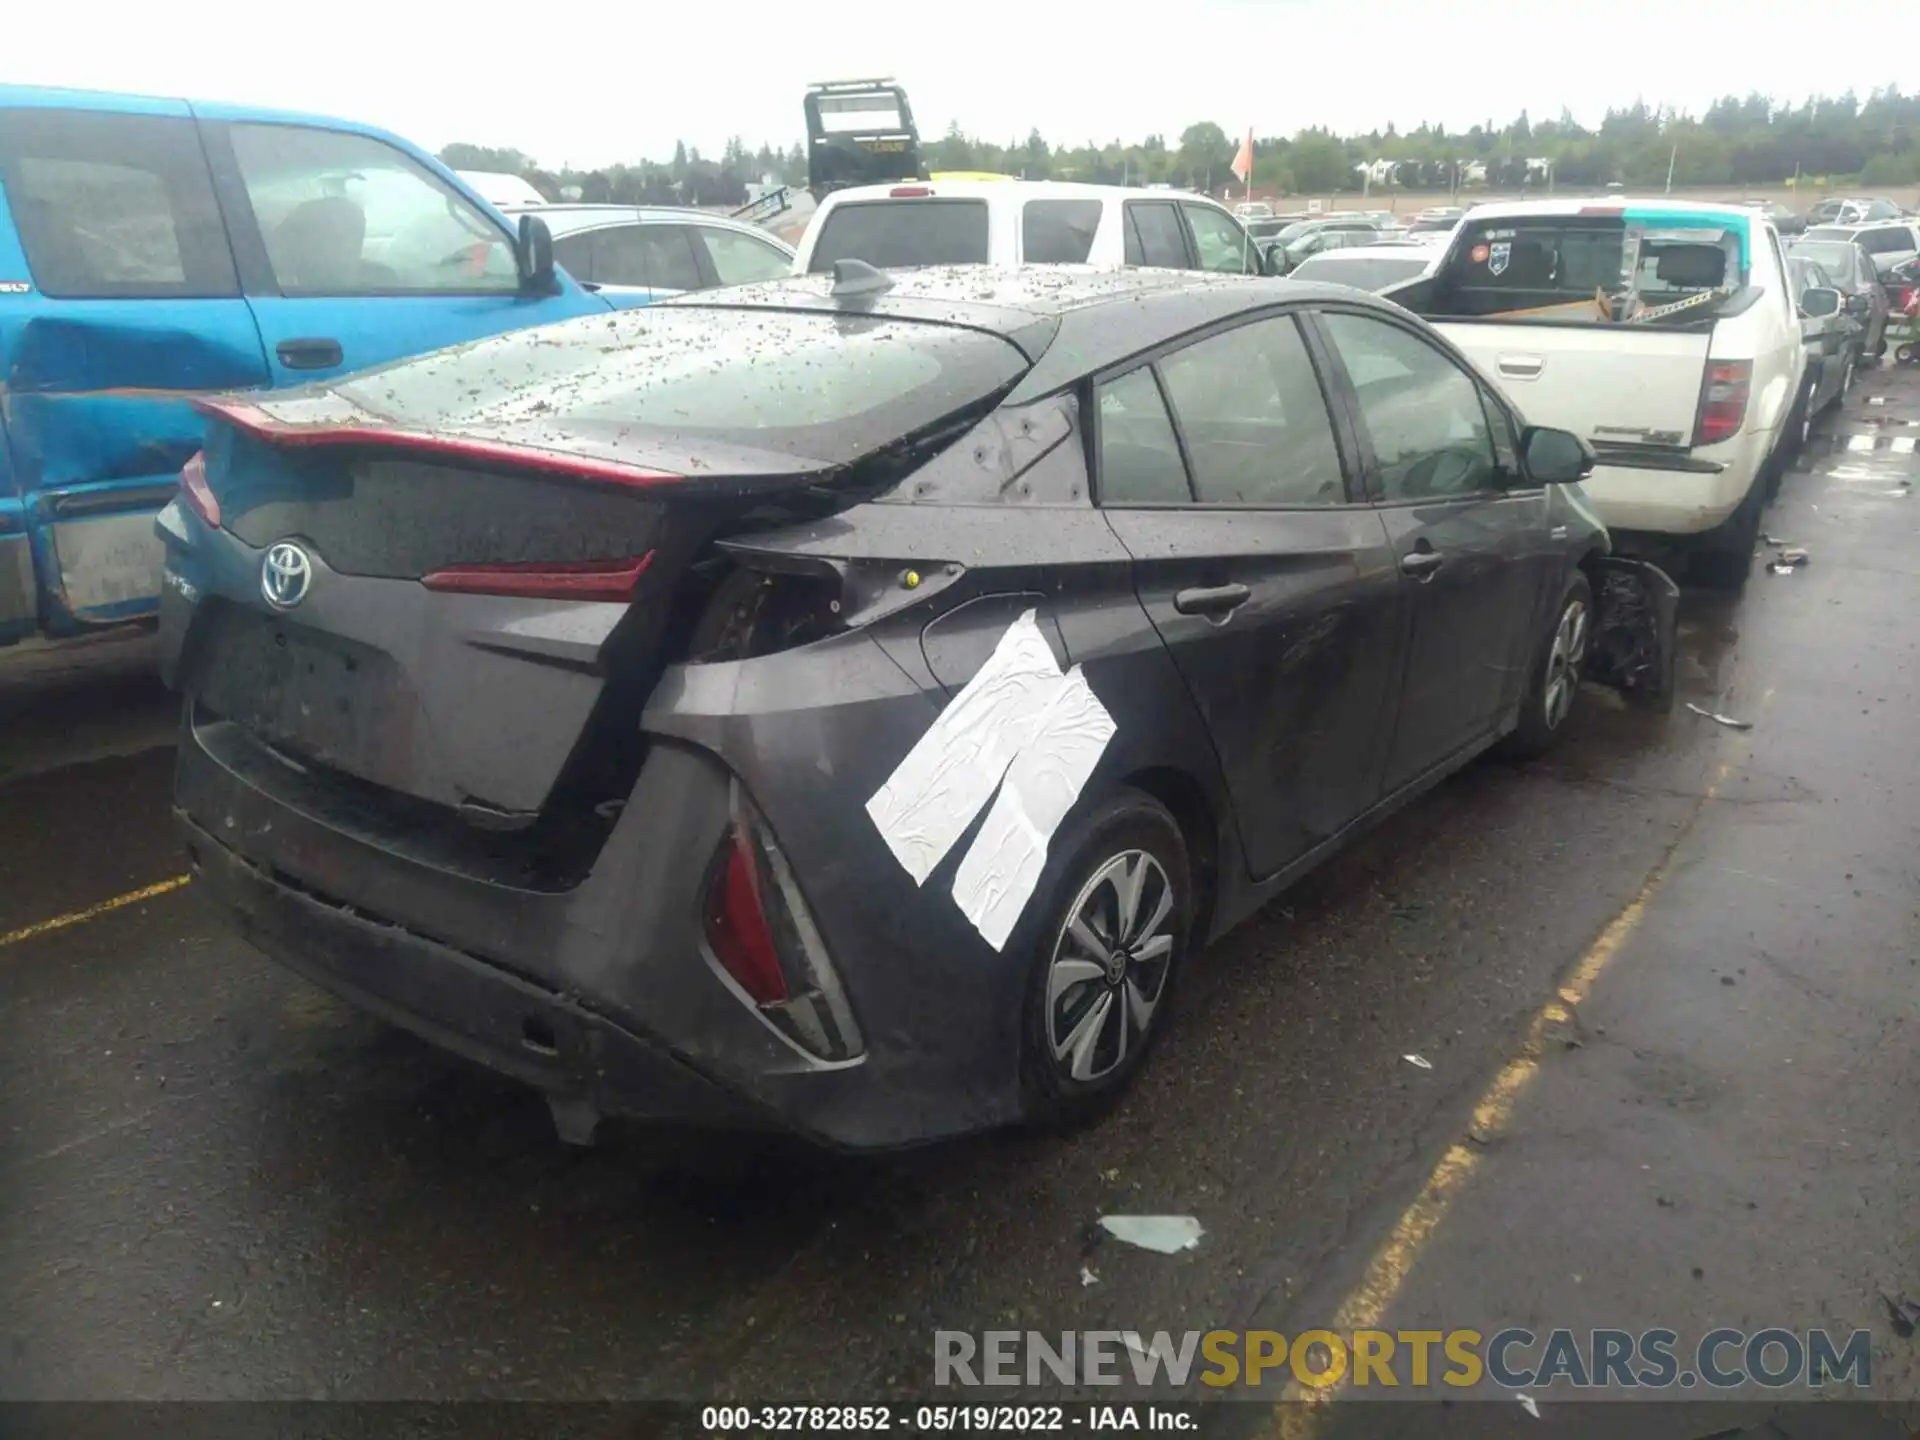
(948, 777)
(999, 872)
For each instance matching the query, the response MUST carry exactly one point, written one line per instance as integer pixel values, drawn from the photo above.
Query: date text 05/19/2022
(915, 1419)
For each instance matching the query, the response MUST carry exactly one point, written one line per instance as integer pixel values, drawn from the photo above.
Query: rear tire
(1556, 675)
(1722, 559)
(1107, 934)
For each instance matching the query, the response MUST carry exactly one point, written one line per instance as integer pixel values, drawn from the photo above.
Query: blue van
(153, 250)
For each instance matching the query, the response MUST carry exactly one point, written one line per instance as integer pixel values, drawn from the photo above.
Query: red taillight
(196, 492)
(584, 580)
(909, 192)
(762, 936)
(1723, 401)
(737, 925)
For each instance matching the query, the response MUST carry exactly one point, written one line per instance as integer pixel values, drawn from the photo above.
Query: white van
(1664, 332)
(1024, 222)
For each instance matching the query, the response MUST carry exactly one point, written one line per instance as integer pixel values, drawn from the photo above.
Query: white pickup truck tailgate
(1614, 385)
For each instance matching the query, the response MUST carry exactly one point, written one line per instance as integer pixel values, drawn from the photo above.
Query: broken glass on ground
(1163, 1234)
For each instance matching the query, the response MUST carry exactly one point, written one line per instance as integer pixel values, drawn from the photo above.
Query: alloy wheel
(1564, 662)
(1110, 965)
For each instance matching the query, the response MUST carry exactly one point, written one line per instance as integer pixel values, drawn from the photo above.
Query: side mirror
(1819, 302)
(533, 257)
(1556, 457)
(1859, 305)
(1273, 260)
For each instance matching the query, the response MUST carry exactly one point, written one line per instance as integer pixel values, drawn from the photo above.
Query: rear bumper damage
(587, 1064)
(612, 974)
(1636, 607)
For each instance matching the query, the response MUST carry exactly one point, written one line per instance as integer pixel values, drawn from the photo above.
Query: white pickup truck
(1665, 333)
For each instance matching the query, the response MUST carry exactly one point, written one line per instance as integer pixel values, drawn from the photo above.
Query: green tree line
(1752, 140)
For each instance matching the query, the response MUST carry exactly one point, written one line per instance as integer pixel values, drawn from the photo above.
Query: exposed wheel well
(1199, 826)
(1590, 567)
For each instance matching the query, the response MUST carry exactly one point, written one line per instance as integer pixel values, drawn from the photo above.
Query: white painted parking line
(1860, 442)
(1902, 445)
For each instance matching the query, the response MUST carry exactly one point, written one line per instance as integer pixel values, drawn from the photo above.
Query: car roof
(1406, 250)
(1860, 226)
(1576, 205)
(1080, 319)
(568, 218)
(1012, 191)
(54, 97)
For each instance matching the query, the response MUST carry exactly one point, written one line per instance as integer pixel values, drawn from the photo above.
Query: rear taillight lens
(909, 192)
(196, 492)
(737, 925)
(584, 580)
(761, 935)
(1723, 401)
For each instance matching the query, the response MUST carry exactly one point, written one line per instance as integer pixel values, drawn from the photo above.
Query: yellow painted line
(92, 912)
(1298, 1415)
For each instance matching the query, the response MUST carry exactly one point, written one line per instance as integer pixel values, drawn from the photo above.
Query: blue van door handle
(309, 354)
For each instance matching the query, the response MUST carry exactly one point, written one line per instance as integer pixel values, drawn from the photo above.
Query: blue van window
(114, 206)
(345, 214)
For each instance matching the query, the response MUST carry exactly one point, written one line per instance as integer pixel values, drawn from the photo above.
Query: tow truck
(859, 132)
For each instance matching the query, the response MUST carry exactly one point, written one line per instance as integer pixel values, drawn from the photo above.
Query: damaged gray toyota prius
(845, 705)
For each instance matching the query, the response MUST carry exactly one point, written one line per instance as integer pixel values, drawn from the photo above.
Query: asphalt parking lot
(1666, 984)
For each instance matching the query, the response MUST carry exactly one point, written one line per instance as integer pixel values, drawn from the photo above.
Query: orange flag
(1243, 162)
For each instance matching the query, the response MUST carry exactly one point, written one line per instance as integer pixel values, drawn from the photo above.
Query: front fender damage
(1636, 607)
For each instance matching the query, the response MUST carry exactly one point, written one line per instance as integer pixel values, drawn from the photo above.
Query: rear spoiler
(252, 420)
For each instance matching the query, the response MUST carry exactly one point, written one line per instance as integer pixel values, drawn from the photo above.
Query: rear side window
(741, 259)
(1058, 232)
(574, 254)
(1154, 235)
(346, 214)
(1139, 455)
(658, 257)
(1254, 419)
(114, 206)
(771, 386)
(900, 234)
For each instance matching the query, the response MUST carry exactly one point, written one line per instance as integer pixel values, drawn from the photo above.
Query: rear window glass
(1058, 232)
(899, 234)
(1595, 269)
(818, 387)
(1367, 274)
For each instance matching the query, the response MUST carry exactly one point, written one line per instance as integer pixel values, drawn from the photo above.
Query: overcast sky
(591, 83)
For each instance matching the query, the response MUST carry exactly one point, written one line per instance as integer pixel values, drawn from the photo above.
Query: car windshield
(826, 388)
(1370, 272)
(900, 234)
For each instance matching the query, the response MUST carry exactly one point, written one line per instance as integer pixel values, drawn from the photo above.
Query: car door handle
(1421, 563)
(309, 354)
(1212, 600)
(1521, 367)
